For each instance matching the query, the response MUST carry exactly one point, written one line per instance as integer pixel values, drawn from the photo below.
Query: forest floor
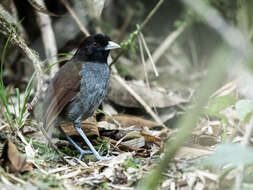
(135, 145)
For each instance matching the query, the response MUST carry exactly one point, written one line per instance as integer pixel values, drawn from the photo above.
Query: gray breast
(94, 85)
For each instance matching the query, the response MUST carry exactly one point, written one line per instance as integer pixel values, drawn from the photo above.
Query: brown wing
(63, 87)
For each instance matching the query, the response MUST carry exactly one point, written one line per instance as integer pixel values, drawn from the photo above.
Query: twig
(137, 97)
(167, 43)
(145, 69)
(75, 17)
(143, 61)
(149, 54)
(150, 15)
(245, 143)
(134, 34)
(48, 38)
(122, 82)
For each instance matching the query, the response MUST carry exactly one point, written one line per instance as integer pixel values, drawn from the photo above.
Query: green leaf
(244, 109)
(234, 154)
(216, 104)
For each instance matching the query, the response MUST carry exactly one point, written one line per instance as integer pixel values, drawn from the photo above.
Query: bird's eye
(95, 44)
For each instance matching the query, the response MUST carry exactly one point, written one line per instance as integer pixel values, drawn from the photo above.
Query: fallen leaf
(11, 159)
(89, 127)
(136, 142)
(139, 151)
(119, 95)
(129, 120)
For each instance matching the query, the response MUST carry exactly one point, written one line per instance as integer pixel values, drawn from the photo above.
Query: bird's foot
(99, 158)
(83, 152)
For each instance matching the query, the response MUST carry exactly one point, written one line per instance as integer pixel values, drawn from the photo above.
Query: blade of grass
(58, 55)
(57, 62)
(26, 97)
(2, 61)
(3, 93)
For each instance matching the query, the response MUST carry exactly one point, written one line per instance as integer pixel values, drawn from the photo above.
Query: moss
(130, 163)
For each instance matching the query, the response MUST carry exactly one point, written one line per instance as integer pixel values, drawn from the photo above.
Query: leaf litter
(137, 144)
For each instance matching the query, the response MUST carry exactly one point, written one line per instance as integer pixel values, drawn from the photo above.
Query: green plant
(46, 69)
(6, 100)
(215, 106)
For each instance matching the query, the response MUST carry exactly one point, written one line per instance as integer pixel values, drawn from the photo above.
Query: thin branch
(143, 61)
(151, 14)
(149, 54)
(134, 34)
(140, 40)
(136, 96)
(75, 17)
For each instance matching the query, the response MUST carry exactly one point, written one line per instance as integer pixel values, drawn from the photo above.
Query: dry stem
(75, 17)
(48, 38)
(167, 43)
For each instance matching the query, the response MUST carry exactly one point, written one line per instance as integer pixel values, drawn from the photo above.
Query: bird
(78, 88)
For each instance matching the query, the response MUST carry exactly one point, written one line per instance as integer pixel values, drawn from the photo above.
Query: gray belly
(94, 86)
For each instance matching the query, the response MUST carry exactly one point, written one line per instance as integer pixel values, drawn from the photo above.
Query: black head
(95, 48)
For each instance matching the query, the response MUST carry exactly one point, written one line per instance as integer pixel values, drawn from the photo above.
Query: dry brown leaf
(136, 142)
(89, 127)
(119, 95)
(129, 120)
(12, 160)
(152, 139)
(139, 151)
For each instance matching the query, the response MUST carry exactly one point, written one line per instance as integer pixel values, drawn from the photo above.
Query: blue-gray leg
(77, 125)
(82, 152)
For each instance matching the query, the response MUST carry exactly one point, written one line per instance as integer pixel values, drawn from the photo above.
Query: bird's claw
(83, 152)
